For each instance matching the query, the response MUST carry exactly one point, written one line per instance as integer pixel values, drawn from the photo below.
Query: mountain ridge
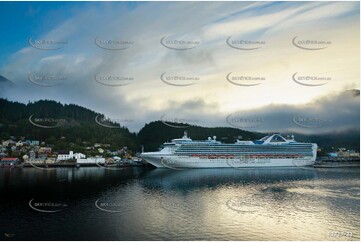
(81, 125)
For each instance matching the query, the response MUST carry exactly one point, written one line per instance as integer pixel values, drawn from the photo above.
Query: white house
(79, 156)
(19, 144)
(70, 156)
(65, 156)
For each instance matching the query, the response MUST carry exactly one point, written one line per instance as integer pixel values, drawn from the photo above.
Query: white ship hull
(270, 151)
(179, 162)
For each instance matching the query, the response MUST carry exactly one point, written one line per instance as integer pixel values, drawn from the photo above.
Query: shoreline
(73, 165)
(316, 165)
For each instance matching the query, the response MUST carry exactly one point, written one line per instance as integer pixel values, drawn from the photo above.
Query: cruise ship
(271, 150)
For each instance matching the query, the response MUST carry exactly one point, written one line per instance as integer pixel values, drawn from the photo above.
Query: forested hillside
(59, 125)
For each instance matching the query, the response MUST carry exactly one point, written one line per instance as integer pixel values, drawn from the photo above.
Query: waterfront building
(91, 160)
(9, 161)
(68, 156)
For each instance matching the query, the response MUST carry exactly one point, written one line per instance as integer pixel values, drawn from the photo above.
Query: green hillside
(68, 126)
(152, 135)
(62, 125)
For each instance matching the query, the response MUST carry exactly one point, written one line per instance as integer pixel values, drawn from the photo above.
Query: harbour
(180, 121)
(143, 203)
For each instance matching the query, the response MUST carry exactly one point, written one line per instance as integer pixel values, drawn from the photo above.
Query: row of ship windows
(248, 146)
(245, 150)
(239, 145)
(225, 153)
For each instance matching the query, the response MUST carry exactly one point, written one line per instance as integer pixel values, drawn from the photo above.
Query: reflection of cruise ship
(189, 179)
(272, 150)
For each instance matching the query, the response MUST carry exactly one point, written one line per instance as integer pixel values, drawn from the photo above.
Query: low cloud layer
(109, 57)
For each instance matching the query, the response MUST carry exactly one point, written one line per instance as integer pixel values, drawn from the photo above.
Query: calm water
(202, 204)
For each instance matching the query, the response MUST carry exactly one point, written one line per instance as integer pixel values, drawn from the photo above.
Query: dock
(337, 162)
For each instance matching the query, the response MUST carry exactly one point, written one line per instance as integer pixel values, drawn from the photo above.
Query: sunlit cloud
(212, 96)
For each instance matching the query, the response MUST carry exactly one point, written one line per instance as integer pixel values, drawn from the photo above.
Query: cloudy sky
(263, 66)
